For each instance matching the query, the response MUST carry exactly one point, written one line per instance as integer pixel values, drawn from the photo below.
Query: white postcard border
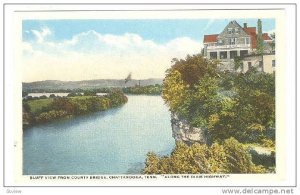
(285, 77)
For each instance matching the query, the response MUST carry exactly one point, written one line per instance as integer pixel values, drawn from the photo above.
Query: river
(110, 142)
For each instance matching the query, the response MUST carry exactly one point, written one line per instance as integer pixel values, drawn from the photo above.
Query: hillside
(86, 84)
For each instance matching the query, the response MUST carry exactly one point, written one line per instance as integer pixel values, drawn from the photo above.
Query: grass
(37, 105)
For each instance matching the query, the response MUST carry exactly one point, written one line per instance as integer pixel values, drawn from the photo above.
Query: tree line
(148, 90)
(63, 107)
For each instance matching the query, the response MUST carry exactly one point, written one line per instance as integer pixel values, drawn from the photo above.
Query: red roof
(210, 38)
(252, 32)
(249, 30)
(265, 36)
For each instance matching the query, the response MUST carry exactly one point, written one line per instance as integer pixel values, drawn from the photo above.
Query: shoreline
(43, 110)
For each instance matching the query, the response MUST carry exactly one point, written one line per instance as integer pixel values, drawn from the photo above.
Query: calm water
(111, 142)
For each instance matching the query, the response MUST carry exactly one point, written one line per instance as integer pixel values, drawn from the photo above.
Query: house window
(273, 63)
(236, 30)
(220, 42)
(223, 55)
(229, 30)
(243, 53)
(232, 41)
(233, 54)
(213, 55)
(247, 40)
(249, 65)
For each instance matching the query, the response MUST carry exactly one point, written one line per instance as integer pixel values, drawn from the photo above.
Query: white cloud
(184, 45)
(91, 55)
(41, 34)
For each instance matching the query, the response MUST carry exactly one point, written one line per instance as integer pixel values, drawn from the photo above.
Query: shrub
(51, 115)
(229, 157)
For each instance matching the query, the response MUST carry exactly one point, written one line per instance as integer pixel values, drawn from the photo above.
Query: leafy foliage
(176, 93)
(39, 105)
(228, 104)
(51, 115)
(89, 93)
(43, 110)
(149, 89)
(193, 68)
(273, 42)
(229, 157)
(235, 108)
(183, 79)
(116, 98)
(259, 41)
(238, 63)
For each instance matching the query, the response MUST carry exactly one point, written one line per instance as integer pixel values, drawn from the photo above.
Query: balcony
(228, 47)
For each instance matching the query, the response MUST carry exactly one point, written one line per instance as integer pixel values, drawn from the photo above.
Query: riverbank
(114, 141)
(38, 111)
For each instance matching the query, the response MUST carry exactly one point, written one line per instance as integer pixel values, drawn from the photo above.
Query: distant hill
(86, 84)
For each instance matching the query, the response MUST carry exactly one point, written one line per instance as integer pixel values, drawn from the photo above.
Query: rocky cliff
(183, 131)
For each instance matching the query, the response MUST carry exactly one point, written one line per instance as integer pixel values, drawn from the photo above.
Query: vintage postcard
(148, 96)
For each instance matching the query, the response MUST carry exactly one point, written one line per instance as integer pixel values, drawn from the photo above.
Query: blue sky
(159, 31)
(110, 49)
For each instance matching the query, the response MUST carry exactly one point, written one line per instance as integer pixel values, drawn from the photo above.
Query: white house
(233, 41)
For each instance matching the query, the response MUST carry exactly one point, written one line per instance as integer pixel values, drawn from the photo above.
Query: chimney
(245, 25)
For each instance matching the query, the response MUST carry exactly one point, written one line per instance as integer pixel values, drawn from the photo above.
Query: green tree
(247, 110)
(176, 94)
(273, 42)
(259, 40)
(204, 101)
(238, 63)
(238, 159)
(117, 98)
(239, 105)
(181, 83)
(193, 68)
(89, 93)
(52, 96)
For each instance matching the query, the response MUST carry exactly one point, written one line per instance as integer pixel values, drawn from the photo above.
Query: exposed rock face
(183, 131)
